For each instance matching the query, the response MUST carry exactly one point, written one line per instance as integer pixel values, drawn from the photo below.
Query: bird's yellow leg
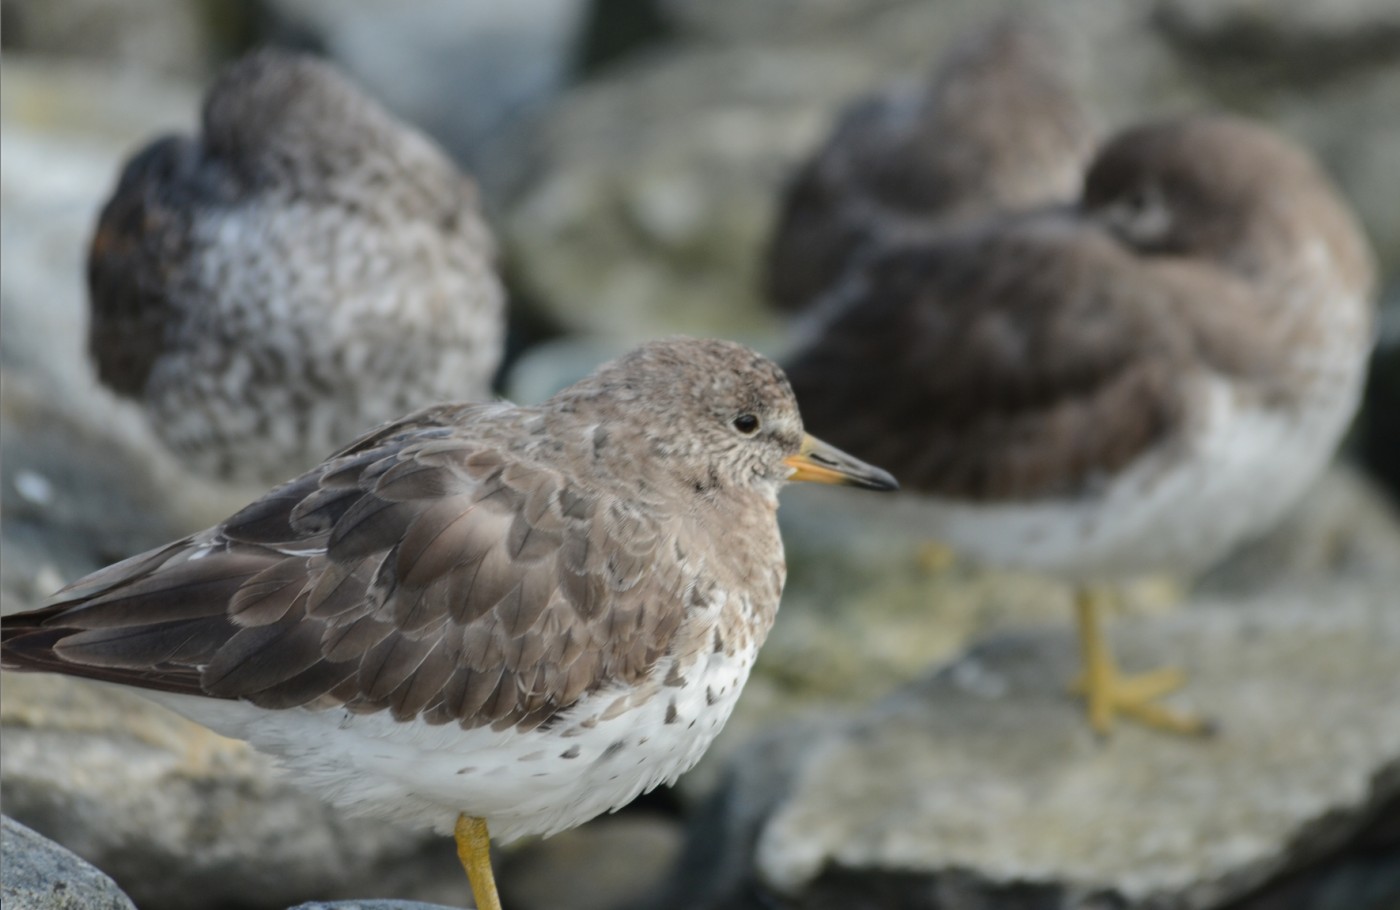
(1108, 694)
(934, 557)
(474, 850)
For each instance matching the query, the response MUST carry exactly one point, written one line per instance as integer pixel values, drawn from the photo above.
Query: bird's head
(713, 416)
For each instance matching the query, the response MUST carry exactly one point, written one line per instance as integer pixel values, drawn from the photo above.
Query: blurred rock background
(893, 749)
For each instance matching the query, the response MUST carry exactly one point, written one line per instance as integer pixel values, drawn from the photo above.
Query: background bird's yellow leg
(474, 850)
(934, 557)
(1097, 678)
(1108, 693)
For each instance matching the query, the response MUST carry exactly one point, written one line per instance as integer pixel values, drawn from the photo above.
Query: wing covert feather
(421, 571)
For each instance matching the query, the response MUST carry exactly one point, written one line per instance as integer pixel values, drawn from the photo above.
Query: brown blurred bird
(1134, 384)
(996, 127)
(305, 268)
(480, 612)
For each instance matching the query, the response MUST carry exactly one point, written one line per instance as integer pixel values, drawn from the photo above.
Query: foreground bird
(996, 127)
(480, 612)
(1136, 384)
(304, 269)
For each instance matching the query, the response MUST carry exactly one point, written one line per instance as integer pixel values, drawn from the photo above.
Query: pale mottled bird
(996, 127)
(1132, 385)
(480, 612)
(305, 268)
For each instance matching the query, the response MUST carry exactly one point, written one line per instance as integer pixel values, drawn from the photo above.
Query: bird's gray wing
(423, 571)
(1027, 358)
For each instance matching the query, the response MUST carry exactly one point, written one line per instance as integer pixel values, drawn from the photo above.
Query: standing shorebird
(480, 612)
(304, 269)
(1135, 384)
(996, 127)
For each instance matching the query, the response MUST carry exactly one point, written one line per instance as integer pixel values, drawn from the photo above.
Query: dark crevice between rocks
(528, 323)
(1379, 422)
(1362, 873)
(616, 29)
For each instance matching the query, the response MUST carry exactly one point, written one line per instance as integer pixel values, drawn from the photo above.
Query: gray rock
(653, 188)
(1313, 37)
(181, 817)
(981, 786)
(40, 875)
(769, 20)
(170, 37)
(463, 72)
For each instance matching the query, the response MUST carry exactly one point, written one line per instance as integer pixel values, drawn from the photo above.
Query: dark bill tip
(819, 462)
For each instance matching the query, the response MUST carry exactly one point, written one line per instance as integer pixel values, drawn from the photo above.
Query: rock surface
(169, 37)
(40, 875)
(181, 817)
(462, 72)
(981, 786)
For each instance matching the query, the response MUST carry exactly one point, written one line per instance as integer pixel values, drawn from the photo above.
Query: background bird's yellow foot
(934, 557)
(1108, 693)
(1112, 694)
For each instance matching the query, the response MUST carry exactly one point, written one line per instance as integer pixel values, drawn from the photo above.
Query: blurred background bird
(306, 267)
(1136, 382)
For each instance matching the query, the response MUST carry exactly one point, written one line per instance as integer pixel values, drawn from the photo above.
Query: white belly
(539, 782)
(1232, 475)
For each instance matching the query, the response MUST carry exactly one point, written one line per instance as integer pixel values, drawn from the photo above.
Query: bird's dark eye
(746, 424)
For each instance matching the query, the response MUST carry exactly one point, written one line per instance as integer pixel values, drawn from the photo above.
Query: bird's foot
(1109, 694)
(935, 557)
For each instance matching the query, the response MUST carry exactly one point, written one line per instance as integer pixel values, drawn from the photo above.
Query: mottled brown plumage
(1032, 356)
(996, 127)
(510, 572)
(1028, 358)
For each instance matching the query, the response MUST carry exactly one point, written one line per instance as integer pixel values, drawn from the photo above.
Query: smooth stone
(170, 37)
(181, 817)
(38, 874)
(982, 783)
(462, 72)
